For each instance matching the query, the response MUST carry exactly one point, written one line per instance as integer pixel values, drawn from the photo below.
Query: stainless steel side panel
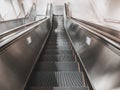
(101, 60)
(17, 59)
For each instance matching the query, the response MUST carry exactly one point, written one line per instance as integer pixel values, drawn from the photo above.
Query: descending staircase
(57, 68)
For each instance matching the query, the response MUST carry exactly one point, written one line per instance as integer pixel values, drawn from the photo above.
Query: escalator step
(57, 43)
(57, 66)
(57, 88)
(59, 58)
(59, 34)
(58, 37)
(54, 51)
(65, 47)
(60, 40)
(57, 79)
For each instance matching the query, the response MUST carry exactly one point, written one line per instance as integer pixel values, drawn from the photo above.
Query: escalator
(57, 67)
(57, 53)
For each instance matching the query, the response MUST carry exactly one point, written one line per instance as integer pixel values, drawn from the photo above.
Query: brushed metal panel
(101, 60)
(18, 58)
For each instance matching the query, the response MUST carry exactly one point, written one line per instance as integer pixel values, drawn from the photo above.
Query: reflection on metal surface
(101, 60)
(106, 29)
(88, 40)
(29, 40)
(17, 58)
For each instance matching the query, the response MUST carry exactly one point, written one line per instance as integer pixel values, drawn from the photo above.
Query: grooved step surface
(57, 58)
(57, 66)
(57, 37)
(58, 47)
(57, 88)
(58, 40)
(58, 43)
(54, 51)
(57, 79)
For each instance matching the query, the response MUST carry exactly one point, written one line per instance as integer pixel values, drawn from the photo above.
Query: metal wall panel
(19, 57)
(101, 60)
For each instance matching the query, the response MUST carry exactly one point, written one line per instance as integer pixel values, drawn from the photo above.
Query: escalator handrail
(103, 35)
(6, 33)
(89, 81)
(19, 27)
(114, 41)
(24, 32)
(10, 39)
(117, 39)
(105, 29)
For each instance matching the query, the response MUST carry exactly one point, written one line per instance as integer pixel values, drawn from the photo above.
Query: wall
(83, 9)
(6, 10)
(27, 5)
(42, 5)
(13, 9)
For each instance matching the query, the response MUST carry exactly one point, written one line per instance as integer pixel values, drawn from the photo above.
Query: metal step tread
(57, 88)
(57, 66)
(57, 79)
(58, 43)
(58, 37)
(57, 47)
(59, 58)
(56, 51)
(50, 42)
(58, 40)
